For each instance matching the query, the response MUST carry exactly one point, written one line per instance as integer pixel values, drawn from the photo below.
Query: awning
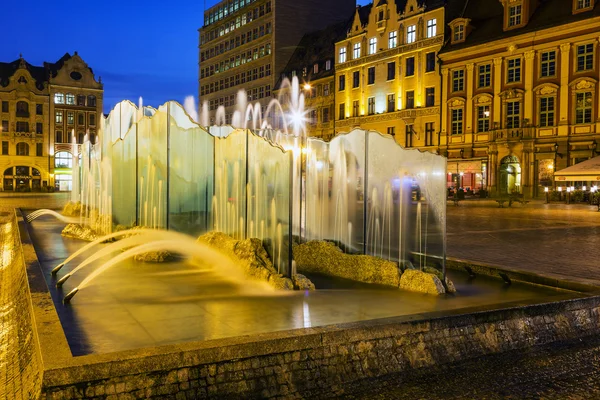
(466, 167)
(588, 170)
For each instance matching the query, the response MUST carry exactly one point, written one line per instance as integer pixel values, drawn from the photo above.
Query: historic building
(42, 109)
(520, 95)
(246, 44)
(387, 74)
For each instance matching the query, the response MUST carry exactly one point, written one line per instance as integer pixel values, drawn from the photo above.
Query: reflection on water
(140, 304)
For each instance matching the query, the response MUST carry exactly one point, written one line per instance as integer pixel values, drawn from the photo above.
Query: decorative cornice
(403, 114)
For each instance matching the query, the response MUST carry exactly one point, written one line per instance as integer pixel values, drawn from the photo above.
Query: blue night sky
(147, 49)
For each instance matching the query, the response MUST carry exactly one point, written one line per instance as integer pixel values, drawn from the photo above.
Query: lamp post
(568, 195)
(560, 193)
(546, 191)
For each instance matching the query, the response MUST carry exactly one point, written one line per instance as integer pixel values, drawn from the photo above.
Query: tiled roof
(487, 20)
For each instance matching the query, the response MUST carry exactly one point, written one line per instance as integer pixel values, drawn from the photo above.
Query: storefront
(22, 179)
(63, 169)
(586, 173)
(471, 175)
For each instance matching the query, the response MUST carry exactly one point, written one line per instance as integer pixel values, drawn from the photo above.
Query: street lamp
(546, 191)
(568, 195)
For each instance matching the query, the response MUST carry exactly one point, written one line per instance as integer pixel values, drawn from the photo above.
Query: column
(469, 105)
(497, 107)
(528, 105)
(444, 108)
(563, 122)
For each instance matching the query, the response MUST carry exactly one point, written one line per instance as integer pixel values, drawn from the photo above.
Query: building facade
(43, 109)
(246, 44)
(386, 71)
(520, 95)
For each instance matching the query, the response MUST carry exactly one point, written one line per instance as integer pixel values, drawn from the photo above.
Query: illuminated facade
(387, 76)
(520, 93)
(41, 109)
(246, 44)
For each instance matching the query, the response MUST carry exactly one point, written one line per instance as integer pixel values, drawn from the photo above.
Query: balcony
(22, 114)
(25, 134)
(513, 134)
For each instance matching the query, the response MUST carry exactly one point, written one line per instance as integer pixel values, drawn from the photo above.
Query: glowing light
(550, 166)
(546, 189)
(584, 188)
(560, 188)
(487, 114)
(319, 165)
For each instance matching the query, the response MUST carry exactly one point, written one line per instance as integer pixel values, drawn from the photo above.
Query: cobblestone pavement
(563, 371)
(550, 239)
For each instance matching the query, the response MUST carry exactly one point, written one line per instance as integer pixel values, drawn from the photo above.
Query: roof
(487, 20)
(316, 48)
(584, 171)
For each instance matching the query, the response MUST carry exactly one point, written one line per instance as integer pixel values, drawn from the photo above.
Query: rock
(328, 259)
(72, 209)
(422, 282)
(448, 284)
(154, 257)
(280, 282)
(302, 283)
(77, 231)
(450, 288)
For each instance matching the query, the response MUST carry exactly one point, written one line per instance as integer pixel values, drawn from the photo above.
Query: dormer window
(316, 69)
(327, 65)
(380, 16)
(514, 15)
(459, 33)
(582, 5)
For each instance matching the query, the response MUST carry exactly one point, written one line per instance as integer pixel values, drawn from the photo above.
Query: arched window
(63, 159)
(22, 149)
(22, 109)
(91, 101)
(8, 171)
(59, 98)
(35, 172)
(70, 99)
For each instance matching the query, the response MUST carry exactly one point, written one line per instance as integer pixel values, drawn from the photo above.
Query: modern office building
(42, 109)
(520, 93)
(246, 44)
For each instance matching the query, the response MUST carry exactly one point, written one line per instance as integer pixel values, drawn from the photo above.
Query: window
(391, 130)
(91, 101)
(458, 80)
(342, 82)
(39, 149)
(70, 118)
(410, 99)
(4, 148)
(431, 28)
(583, 108)
(408, 135)
(380, 16)
(411, 34)
(59, 137)
(391, 71)
(585, 57)
(342, 111)
(39, 128)
(326, 89)
(513, 72)
(393, 40)
(327, 64)
(391, 100)
(70, 99)
(316, 69)
(457, 121)
(59, 117)
(92, 119)
(514, 15)
(355, 79)
(430, 62)
(483, 118)
(372, 45)
(429, 129)
(59, 98)
(80, 100)
(459, 33)
(410, 66)
(81, 136)
(22, 149)
(81, 119)
(581, 4)
(371, 105)
(4, 126)
(356, 51)
(342, 56)
(325, 114)
(63, 159)
(39, 109)
(429, 97)
(485, 76)
(513, 114)
(546, 111)
(548, 64)
(355, 108)
(5, 106)
(22, 126)
(371, 75)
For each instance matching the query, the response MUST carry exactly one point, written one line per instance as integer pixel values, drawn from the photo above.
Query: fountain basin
(133, 340)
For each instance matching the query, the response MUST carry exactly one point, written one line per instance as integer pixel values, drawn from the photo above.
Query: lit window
(459, 33)
(548, 64)
(431, 28)
(514, 15)
(585, 57)
(411, 34)
(59, 117)
(546, 111)
(584, 4)
(70, 99)
(483, 118)
(327, 65)
(355, 108)
(62, 159)
(583, 108)
(393, 40)
(371, 105)
(485, 76)
(70, 118)
(59, 98)
(316, 69)
(513, 71)
(457, 121)
(356, 51)
(372, 45)
(458, 80)
(513, 114)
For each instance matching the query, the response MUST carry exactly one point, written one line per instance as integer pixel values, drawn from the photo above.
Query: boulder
(422, 282)
(72, 209)
(77, 231)
(448, 284)
(154, 257)
(326, 258)
(280, 282)
(302, 283)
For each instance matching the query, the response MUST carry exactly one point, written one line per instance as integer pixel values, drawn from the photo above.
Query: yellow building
(520, 93)
(386, 71)
(41, 109)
